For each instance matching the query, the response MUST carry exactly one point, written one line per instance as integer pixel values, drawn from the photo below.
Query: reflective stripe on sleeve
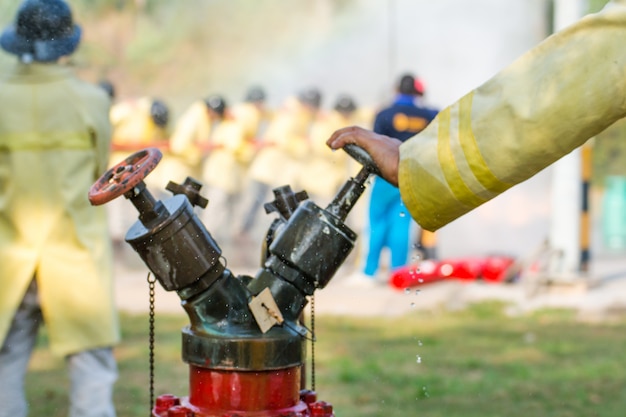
(41, 141)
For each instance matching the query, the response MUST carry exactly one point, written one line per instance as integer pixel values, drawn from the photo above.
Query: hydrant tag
(265, 310)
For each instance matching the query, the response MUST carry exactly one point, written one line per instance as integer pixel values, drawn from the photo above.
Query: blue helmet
(43, 31)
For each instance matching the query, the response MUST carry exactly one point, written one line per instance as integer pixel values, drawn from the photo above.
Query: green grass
(476, 362)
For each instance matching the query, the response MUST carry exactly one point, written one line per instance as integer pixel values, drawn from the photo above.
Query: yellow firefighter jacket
(225, 165)
(54, 144)
(190, 135)
(133, 128)
(286, 145)
(544, 105)
(324, 171)
(251, 117)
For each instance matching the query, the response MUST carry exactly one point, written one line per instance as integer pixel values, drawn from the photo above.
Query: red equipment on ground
(489, 269)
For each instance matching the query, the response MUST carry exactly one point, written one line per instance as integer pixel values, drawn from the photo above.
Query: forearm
(547, 103)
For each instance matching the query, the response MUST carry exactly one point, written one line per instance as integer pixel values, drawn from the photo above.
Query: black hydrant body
(244, 337)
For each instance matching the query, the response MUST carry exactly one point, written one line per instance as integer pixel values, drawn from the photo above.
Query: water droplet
(417, 292)
(419, 343)
(412, 305)
(407, 291)
(402, 214)
(418, 358)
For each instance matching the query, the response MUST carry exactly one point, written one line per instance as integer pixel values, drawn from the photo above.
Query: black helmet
(311, 97)
(216, 103)
(43, 31)
(255, 95)
(345, 104)
(108, 87)
(410, 85)
(159, 113)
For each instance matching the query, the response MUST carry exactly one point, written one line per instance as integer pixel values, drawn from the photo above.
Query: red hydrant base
(218, 393)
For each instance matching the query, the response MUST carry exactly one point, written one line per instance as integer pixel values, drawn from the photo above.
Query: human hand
(384, 150)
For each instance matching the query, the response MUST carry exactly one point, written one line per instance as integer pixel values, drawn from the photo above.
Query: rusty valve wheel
(124, 176)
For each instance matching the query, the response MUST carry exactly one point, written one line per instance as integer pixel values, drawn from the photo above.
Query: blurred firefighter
(389, 225)
(252, 113)
(138, 124)
(324, 171)
(55, 257)
(253, 116)
(223, 171)
(189, 140)
(285, 147)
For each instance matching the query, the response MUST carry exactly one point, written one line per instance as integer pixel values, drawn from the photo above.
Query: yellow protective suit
(544, 105)
(286, 146)
(54, 144)
(190, 135)
(324, 171)
(225, 165)
(251, 117)
(133, 128)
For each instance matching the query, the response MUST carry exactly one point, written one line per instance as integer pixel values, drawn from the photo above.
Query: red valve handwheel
(124, 176)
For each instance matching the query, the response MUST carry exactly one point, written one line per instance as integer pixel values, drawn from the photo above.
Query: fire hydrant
(244, 345)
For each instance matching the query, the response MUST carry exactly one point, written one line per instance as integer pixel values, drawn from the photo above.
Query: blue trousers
(389, 227)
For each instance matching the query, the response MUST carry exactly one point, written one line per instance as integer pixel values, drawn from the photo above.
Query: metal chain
(313, 342)
(151, 282)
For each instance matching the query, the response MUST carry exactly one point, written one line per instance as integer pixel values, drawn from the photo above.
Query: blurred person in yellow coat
(548, 102)
(189, 139)
(252, 116)
(324, 171)
(138, 124)
(252, 113)
(284, 149)
(55, 251)
(223, 170)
